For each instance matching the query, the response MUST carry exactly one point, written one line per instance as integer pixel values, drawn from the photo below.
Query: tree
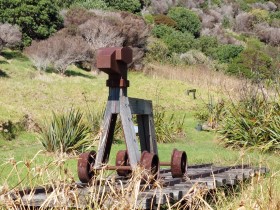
(10, 35)
(187, 20)
(38, 19)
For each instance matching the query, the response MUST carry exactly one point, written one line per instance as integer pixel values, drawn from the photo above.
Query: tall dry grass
(105, 191)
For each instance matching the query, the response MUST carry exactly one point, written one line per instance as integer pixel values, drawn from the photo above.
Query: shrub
(9, 130)
(244, 22)
(90, 4)
(125, 5)
(268, 34)
(253, 63)
(65, 133)
(158, 51)
(187, 20)
(179, 42)
(9, 35)
(206, 44)
(161, 7)
(194, 57)
(252, 122)
(101, 32)
(58, 51)
(160, 31)
(260, 15)
(168, 129)
(77, 16)
(275, 15)
(38, 19)
(225, 53)
(164, 20)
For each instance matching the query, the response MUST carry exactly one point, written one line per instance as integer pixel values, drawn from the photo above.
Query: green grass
(26, 91)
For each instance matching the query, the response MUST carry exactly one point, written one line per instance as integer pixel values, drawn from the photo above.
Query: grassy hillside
(27, 91)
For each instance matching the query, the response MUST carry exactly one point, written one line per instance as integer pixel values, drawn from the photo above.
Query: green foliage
(187, 20)
(225, 53)
(260, 15)
(253, 63)
(66, 132)
(133, 6)
(159, 31)
(252, 122)
(226, 22)
(179, 42)
(90, 4)
(275, 15)
(148, 18)
(168, 129)
(8, 130)
(206, 44)
(158, 51)
(64, 3)
(38, 19)
(164, 20)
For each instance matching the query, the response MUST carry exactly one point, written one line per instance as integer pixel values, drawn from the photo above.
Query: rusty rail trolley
(114, 61)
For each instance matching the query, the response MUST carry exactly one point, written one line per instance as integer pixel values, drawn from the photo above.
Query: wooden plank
(146, 201)
(143, 132)
(140, 106)
(152, 131)
(106, 137)
(129, 132)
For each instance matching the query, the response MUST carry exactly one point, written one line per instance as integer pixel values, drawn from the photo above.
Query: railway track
(206, 177)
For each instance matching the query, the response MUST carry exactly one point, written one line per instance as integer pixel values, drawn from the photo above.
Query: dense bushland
(38, 19)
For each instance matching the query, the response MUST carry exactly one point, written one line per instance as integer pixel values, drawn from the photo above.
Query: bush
(187, 20)
(253, 63)
(225, 53)
(158, 51)
(179, 42)
(252, 122)
(260, 15)
(194, 57)
(65, 133)
(165, 20)
(10, 35)
(206, 44)
(38, 19)
(90, 4)
(125, 5)
(159, 31)
(9, 130)
(59, 52)
(168, 129)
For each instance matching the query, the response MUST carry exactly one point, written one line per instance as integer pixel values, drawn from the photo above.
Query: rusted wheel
(122, 160)
(85, 166)
(178, 163)
(150, 162)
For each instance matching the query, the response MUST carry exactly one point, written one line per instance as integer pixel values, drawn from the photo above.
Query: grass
(26, 91)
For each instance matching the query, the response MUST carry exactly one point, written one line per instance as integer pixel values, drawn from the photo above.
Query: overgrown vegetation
(253, 121)
(66, 132)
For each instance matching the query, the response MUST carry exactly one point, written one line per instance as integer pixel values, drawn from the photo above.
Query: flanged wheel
(150, 162)
(178, 163)
(85, 166)
(122, 160)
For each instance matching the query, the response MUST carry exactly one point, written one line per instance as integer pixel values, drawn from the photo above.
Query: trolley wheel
(178, 163)
(85, 166)
(122, 160)
(150, 162)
